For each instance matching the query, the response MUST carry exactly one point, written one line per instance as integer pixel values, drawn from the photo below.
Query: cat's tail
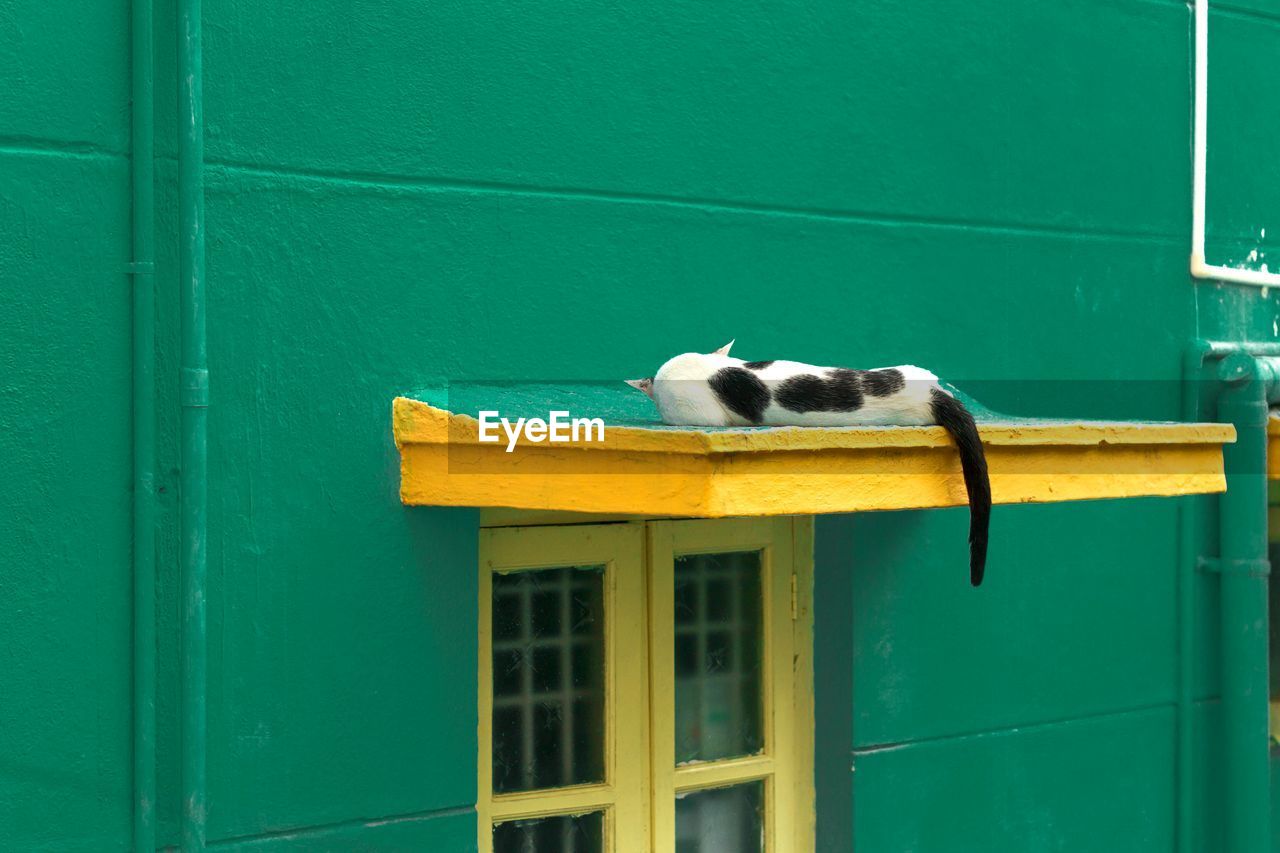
(950, 414)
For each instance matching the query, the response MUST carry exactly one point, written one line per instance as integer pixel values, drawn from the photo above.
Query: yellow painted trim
(1273, 447)
(787, 714)
(416, 422)
(575, 799)
(794, 471)
(625, 793)
(717, 774)
(806, 819)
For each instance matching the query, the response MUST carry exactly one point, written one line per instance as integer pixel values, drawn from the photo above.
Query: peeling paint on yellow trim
(796, 471)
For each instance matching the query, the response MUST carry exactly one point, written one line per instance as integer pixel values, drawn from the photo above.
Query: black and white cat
(718, 390)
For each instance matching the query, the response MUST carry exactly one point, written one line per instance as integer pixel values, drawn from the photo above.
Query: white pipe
(1200, 147)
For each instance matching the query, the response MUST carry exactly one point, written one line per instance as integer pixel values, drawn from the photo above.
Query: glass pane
(721, 820)
(548, 679)
(559, 834)
(718, 619)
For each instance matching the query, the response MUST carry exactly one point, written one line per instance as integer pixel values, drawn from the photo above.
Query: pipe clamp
(1253, 568)
(193, 392)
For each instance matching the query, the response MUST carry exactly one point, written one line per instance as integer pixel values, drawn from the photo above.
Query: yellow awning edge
(696, 473)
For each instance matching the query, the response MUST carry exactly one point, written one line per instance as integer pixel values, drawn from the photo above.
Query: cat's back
(718, 390)
(813, 395)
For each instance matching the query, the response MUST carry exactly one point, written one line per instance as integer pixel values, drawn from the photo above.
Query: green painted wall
(400, 193)
(65, 751)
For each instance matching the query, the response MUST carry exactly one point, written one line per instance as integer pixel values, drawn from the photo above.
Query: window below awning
(646, 468)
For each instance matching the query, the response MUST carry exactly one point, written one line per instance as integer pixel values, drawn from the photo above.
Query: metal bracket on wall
(1253, 568)
(193, 388)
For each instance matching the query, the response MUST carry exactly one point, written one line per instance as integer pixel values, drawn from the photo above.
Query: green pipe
(194, 394)
(1222, 349)
(1243, 570)
(1188, 559)
(142, 179)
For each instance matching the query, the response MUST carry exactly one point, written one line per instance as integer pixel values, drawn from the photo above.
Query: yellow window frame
(641, 779)
(623, 796)
(785, 764)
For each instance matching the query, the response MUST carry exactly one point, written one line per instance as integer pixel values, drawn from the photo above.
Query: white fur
(683, 396)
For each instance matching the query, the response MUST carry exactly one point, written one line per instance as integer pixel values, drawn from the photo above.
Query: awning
(645, 468)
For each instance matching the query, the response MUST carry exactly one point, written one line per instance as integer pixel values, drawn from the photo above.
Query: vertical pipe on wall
(194, 391)
(1243, 569)
(1188, 559)
(142, 268)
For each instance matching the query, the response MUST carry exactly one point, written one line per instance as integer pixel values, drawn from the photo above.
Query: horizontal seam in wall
(369, 823)
(390, 182)
(1215, 6)
(1015, 729)
(1243, 12)
(32, 147)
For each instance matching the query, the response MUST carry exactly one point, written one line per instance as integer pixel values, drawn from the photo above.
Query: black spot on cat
(801, 393)
(842, 392)
(757, 365)
(741, 392)
(882, 383)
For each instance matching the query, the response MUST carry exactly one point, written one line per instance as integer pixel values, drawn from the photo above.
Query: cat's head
(687, 360)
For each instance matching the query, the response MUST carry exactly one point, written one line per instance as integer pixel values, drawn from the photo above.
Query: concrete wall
(400, 193)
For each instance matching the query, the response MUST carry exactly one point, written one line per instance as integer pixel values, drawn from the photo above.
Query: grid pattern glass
(721, 820)
(548, 679)
(718, 630)
(557, 834)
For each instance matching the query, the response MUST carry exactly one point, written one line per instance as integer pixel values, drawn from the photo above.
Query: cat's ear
(724, 350)
(645, 385)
